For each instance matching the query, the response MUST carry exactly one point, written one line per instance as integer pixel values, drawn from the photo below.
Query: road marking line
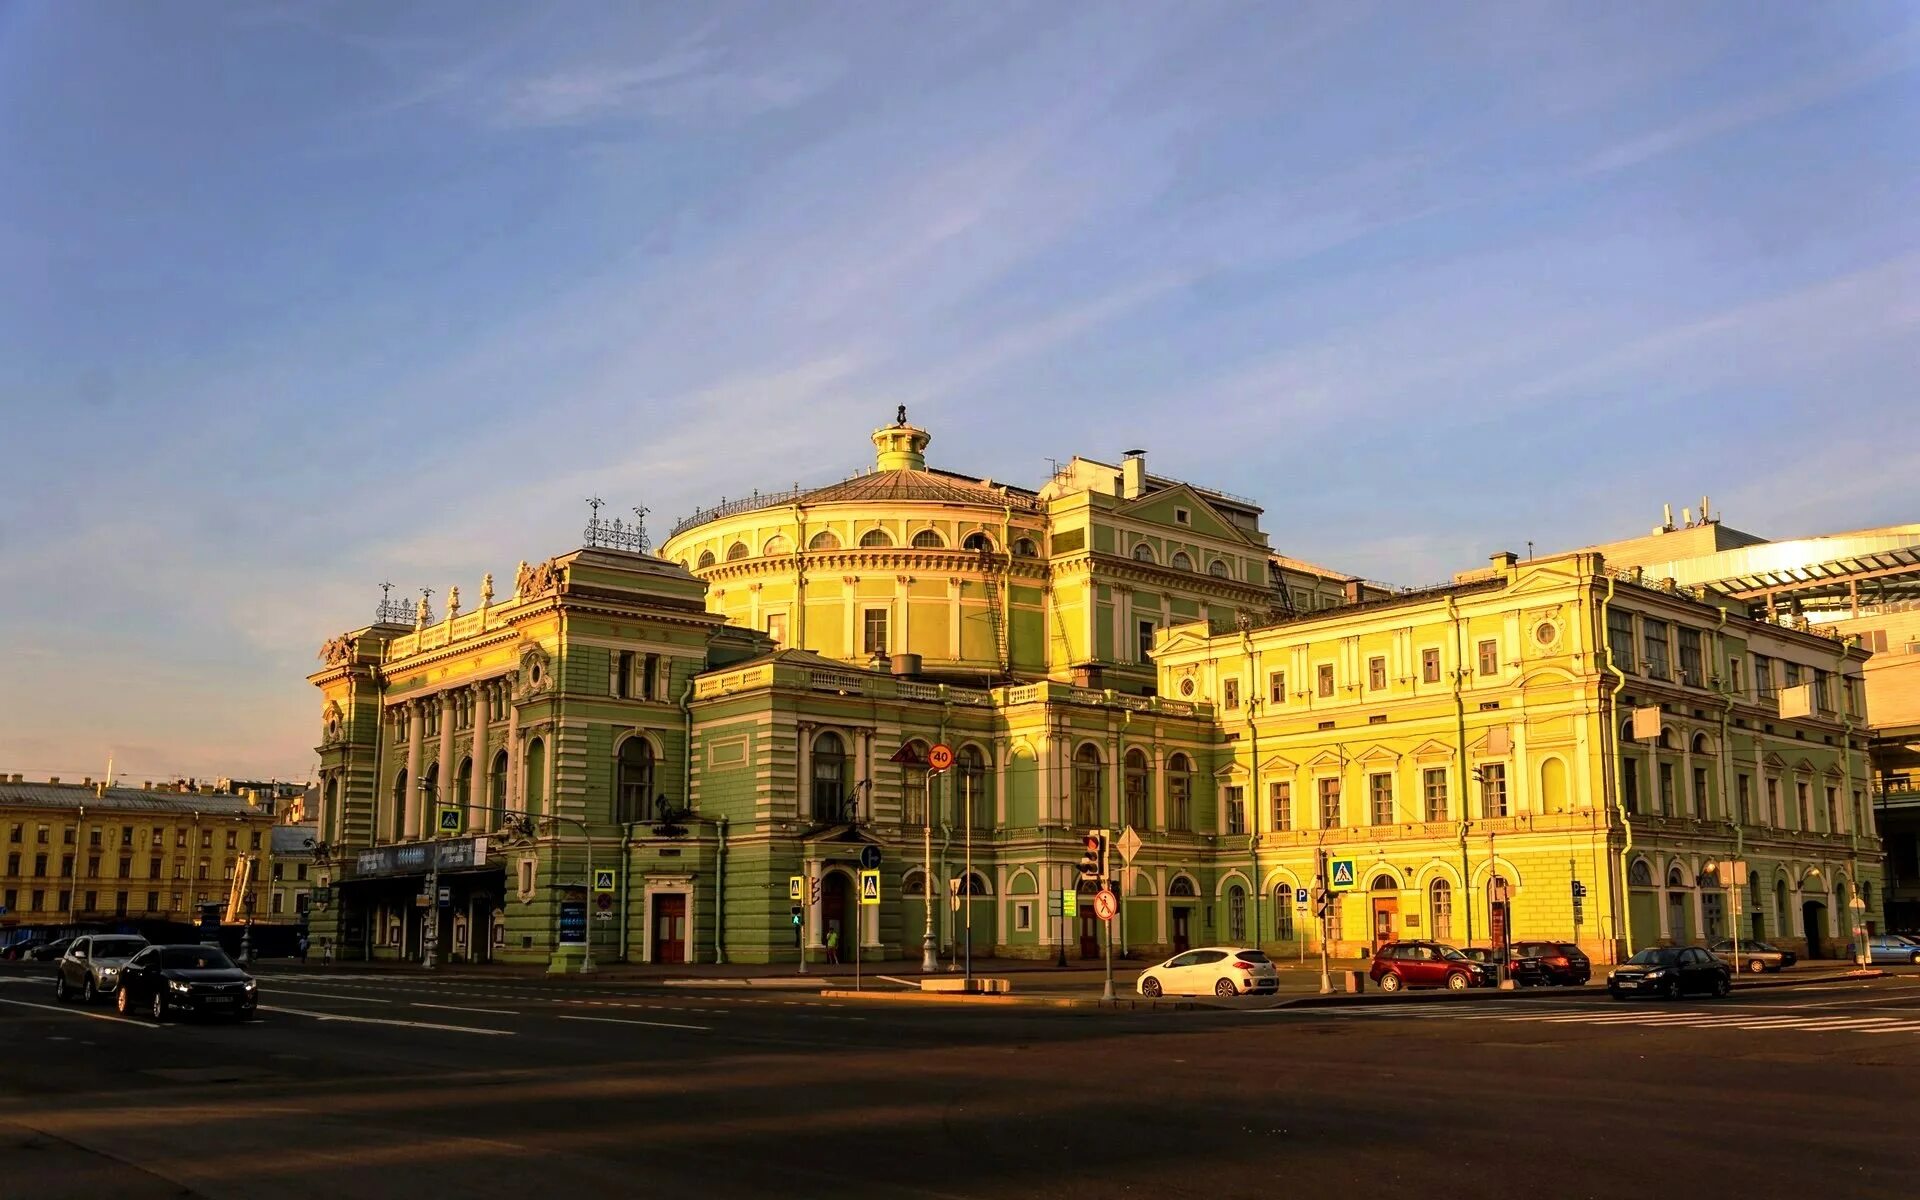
(492, 1012)
(323, 1016)
(332, 995)
(628, 1021)
(78, 1012)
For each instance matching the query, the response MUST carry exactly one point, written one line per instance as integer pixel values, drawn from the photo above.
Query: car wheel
(1722, 986)
(159, 1008)
(1756, 966)
(1671, 991)
(123, 1001)
(1225, 988)
(1389, 982)
(1616, 993)
(60, 988)
(1457, 981)
(1150, 988)
(88, 993)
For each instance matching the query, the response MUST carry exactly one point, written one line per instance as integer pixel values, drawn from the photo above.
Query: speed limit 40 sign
(940, 757)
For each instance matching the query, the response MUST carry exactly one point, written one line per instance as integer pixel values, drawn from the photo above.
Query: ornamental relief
(534, 676)
(337, 652)
(1543, 632)
(333, 725)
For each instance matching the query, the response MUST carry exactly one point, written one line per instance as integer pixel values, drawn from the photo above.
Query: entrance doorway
(1814, 914)
(1089, 931)
(1181, 919)
(669, 927)
(1386, 910)
(837, 912)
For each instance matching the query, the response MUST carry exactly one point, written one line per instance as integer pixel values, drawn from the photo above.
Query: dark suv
(1561, 962)
(1399, 965)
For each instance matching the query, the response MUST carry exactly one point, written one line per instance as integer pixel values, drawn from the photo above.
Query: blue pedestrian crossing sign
(1342, 874)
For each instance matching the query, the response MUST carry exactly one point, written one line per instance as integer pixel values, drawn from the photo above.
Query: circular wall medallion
(1545, 633)
(1186, 687)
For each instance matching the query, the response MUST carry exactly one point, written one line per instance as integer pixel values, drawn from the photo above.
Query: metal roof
(75, 795)
(1817, 573)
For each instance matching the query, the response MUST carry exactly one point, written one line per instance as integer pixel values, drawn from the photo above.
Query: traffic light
(1093, 863)
(795, 910)
(1322, 901)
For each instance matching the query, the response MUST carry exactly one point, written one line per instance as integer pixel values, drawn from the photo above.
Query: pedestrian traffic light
(795, 909)
(1093, 863)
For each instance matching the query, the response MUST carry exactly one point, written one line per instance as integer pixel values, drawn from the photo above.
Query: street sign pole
(806, 917)
(1326, 901)
(1107, 992)
(929, 958)
(966, 884)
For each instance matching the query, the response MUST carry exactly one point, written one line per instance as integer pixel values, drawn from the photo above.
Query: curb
(792, 983)
(1482, 995)
(1003, 1001)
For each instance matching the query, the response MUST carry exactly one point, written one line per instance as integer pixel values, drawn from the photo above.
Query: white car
(1211, 971)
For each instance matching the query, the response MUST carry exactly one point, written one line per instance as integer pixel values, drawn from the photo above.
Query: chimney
(906, 666)
(86, 781)
(1133, 475)
(100, 790)
(1503, 562)
(1351, 590)
(53, 779)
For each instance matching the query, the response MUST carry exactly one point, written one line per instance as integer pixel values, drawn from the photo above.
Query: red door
(1180, 943)
(670, 927)
(1089, 933)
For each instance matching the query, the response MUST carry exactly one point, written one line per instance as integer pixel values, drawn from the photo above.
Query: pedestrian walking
(833, 942)
(303, 948)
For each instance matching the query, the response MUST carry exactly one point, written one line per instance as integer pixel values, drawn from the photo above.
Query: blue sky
(296, 298)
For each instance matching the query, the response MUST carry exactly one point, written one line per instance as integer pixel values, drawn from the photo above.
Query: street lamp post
(526, 828)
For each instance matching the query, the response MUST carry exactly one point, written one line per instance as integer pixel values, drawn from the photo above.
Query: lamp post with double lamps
(523, 825)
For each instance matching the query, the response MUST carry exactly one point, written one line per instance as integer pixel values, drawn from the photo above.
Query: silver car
(91, 966)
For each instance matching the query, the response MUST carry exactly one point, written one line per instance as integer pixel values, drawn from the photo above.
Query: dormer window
(1182, 516)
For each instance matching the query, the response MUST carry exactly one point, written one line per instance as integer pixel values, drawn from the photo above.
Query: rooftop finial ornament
(900, 415)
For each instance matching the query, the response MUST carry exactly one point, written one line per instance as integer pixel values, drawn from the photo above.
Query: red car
(1399, 965)
(1563, 962)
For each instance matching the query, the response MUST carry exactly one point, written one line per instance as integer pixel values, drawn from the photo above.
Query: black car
(1670, 972)
(21, 950)
(1524, 969)
(1561, 962)
(51, 950)
(196, 980)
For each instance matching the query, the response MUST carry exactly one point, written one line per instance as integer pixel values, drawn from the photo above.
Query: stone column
(816, 922)
(803, 760)
(513, 749)
(482, 764)
(445, 792)
(410, 803)
(862, 742)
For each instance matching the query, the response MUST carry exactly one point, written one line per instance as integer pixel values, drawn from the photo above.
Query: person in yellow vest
(833, 942)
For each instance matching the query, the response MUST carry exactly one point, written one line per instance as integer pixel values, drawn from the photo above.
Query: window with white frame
(1380, 797)
(873, 631)
(1280, 802)
(1493, 789)
(1329, 790)
(1236, 810)
(1433, 788)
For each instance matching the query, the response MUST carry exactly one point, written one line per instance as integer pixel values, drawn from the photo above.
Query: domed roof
(911, 484)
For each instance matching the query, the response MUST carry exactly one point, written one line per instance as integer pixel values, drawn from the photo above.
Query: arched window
(1440, 908)
(635, 786)
(978, 542)
(1218, 569)
(1136, 794)
(1180, 561)
(970, 769)
(976, 885)
(1236, 913)
(1640, 874)
(779, 543)
(824, 540)
(913, 809)
(1181, 886)
(1676, 878)
(1383, 882)
(1025, 548)
(330, 817)
(497, 789)
(736, 552)
(535, 790)
(397, 819)
(1666, 739)
(1143, 553)
(1700, 744)
(1180, 793)
(929, 539)
(1283, 911)
(430, 785)
(1086, 785)
(463, 788)
(1553, 785)
(876, 539)
(829, 778)
(706, 559)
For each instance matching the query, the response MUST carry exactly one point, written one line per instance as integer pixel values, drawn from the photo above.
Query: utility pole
(1105, 843)
(1322, 903)
(966, 883)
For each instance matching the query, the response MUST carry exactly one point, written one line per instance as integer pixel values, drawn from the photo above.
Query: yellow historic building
(1469, 753)
(90, 854)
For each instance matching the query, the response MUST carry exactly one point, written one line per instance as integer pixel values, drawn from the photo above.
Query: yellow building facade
(1468, 754)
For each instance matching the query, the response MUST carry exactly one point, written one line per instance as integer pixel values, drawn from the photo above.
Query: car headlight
(250, 985)
(1662, 973)
(177, 986)
(108, 974)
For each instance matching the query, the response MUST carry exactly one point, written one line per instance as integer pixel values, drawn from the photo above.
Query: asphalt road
(371, 1086)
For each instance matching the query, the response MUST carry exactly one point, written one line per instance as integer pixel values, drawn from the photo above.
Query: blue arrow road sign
(870, 858)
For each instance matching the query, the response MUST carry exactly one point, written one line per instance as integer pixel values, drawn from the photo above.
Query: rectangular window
(180, 836)
(1430, 665)
(1700, 799)
(1329, 803)
(1230, 694)
(1666, 789)
(1846, 696)
(1803, 794)
(1792, 674)
(253, 840)
(126, 835)
(1377, 674)
(1325, 676)
(873, 631)
(777, 628)
(153, 868)
(1236, 810)
(1380, 797)
(1277, 687)
(1733, 674)
(233, 839)
(1774, 816)
(1690, 671)
(1143, 640)
(1133, 792)
(1023, 916)
(93, 866)
(277, 902)
(39, 866)
(914, 782)
(1743, 797)
(623, 674)
(1493, 789)
(650, 680)
(153, 901)
(93, 901)
(1833, 810)
(40, 900)
(1489, 658)
(1333, 920)
(13, 864)
(1620, 638)
(1822, 692)
(1280, 801)
(1653, 643)
(1433, 784)
(1763, 676)
(14, 835)
(66, 866)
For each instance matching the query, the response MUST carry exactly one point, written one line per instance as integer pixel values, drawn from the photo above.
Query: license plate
(218, 1000)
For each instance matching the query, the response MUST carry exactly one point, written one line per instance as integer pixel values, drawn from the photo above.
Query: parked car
(1670, 972)
(1753, 957)
(1399, 965)
(1888, 948)
(21, 950)
(91, 966)
(51, 950)
(1524, 969)
(196, 980)
(1211, 971)
(1561, 962)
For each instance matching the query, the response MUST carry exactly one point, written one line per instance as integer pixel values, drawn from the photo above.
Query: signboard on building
(417, 858)
(573, 922)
